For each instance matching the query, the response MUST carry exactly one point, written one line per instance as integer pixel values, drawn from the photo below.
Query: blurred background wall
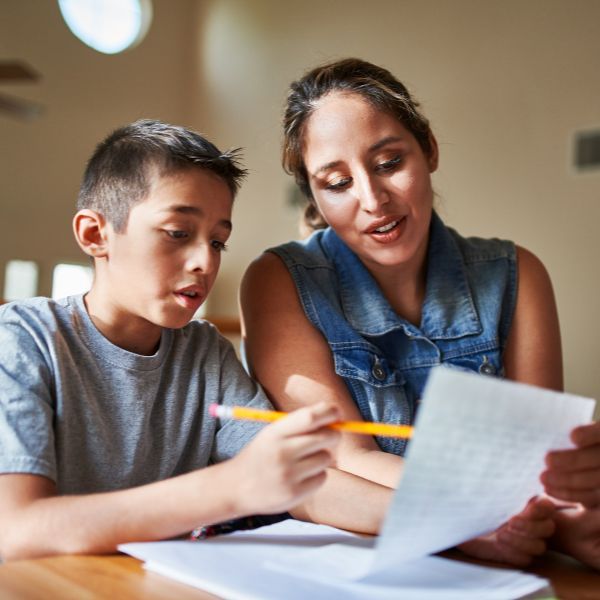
(505, 84)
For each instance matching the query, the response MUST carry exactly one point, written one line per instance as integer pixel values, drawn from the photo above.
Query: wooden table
(570, 579)
(117, 577)
(122, 578)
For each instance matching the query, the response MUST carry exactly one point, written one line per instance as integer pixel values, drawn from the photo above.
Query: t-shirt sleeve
(238, 389)
(26, 407)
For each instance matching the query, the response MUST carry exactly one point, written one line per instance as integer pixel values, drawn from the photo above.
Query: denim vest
(383, 359)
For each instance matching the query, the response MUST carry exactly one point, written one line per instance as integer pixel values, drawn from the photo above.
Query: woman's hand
(573, 475)
(578, 534)
(520, 539)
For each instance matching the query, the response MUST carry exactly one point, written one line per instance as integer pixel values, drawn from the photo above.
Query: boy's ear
(90, 229)
(434, 155)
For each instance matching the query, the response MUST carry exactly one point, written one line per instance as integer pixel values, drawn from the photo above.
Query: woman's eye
(177, 234)
(219, 246)
(338, 184)
(389, 165)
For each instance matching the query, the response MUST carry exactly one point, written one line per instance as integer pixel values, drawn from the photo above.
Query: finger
(538, 508)
(312, 465)
(586, 435)
(299, 446)
(520, 545)
(579, 480)
(574, 459)
(531, 528)
(306, 419)
(589, 498)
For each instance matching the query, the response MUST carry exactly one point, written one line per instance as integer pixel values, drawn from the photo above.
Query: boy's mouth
(190, 297)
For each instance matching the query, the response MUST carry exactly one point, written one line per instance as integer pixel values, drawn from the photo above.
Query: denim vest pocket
(485, 359)
(377, 389)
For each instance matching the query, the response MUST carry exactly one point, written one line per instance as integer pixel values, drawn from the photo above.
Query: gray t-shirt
(94, 417)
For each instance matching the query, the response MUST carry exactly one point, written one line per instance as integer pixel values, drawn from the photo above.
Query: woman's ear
(90, 230)
(433, 157)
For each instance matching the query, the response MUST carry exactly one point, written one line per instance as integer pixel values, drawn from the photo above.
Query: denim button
(378, 371)
(486, 367)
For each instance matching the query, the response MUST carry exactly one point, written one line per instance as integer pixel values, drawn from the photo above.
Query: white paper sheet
(474, 461)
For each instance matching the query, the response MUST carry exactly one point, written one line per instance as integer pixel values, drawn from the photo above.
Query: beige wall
(505, 85)
(85, 94)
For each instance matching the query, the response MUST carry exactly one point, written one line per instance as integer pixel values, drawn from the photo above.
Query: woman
(382, 290)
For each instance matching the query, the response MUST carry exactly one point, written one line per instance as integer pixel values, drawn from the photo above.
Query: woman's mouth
(388, 232)
(387, 227)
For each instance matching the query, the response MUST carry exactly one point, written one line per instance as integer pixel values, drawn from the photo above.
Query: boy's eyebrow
(390, 139)
(186, 209)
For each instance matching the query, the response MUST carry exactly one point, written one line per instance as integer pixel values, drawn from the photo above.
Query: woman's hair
(351, 75)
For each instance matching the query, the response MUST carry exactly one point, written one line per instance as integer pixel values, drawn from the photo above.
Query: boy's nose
(202, 259)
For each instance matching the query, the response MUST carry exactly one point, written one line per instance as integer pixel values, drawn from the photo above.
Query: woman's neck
(404, 287)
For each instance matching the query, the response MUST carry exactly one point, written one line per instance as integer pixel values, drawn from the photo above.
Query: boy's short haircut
(119, 173)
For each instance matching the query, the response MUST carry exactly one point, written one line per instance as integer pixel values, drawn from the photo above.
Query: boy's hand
(573, 475)
(520, 539)
(286, 461)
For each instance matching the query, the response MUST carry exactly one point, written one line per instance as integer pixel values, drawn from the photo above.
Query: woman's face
(370, 180)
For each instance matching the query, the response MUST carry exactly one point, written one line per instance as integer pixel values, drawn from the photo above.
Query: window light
(108, 26)
(68, 279)
(20, 279)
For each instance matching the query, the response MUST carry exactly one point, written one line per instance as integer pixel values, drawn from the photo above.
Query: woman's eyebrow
(326, 167)
(391, 139)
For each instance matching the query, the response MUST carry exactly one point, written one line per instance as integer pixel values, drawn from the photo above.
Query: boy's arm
(34, 521)
(283, 465)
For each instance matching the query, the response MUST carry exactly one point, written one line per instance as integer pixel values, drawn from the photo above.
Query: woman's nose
(372, 194)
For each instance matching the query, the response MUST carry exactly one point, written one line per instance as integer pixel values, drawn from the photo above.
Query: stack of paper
(291, 561)
(474, 461)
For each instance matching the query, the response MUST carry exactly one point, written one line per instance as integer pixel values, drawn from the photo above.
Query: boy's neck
(119, 327)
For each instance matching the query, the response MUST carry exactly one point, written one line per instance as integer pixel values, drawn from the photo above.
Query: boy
(104, 425)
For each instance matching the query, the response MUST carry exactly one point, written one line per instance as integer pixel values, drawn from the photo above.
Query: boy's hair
(119, 174)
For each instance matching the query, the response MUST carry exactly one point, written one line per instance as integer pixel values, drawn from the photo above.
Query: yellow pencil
(364, 427)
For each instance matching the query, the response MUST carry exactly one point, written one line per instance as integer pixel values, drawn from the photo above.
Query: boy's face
(162, 267)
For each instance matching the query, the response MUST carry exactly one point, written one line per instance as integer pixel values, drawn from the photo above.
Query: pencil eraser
(213, 410)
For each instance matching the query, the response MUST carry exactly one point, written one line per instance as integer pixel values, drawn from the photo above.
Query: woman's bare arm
(293, 362)
(533, 352)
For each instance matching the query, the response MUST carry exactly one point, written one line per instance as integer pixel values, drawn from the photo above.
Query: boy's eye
(177, 234)
(219, 246)
(338, 184)
(389, 165)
